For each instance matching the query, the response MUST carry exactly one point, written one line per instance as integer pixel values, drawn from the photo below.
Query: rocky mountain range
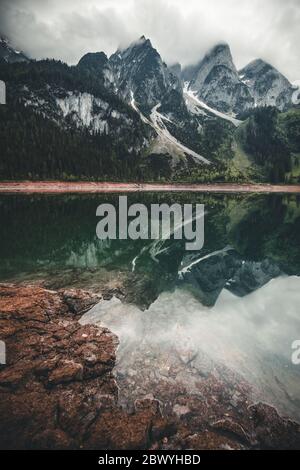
(177, 121)
(9, 54)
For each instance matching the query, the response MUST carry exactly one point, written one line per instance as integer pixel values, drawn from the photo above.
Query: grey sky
(182, 30)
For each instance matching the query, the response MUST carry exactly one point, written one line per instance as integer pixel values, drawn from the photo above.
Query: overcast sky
(181, 30)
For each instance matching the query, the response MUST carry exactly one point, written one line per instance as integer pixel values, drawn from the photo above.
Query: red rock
(58, 390)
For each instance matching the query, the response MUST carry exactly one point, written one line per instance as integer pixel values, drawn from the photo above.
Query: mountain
(94, 61)
(140, 72)
(176, 70)
(267, 85)
(64, 121)
(130, 116)
(9, 54)
(215, 80)
(97, 63)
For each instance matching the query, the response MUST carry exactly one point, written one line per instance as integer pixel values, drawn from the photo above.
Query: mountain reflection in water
(232, 306)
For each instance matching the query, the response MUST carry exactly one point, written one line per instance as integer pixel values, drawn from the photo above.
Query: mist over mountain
(9, 54)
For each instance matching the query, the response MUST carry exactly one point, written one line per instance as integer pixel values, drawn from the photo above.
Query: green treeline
(271, 137)
(34, 147)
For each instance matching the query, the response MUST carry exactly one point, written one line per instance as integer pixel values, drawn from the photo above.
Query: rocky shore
(58, 388)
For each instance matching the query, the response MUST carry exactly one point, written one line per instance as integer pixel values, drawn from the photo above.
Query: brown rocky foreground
(58, 390)
(98, 187)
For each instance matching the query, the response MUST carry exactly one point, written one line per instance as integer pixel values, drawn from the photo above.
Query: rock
(272, 431)
(267, 85)
(208, 440)
(79, 302)
(58, 391)
(216, 81)
(141, 74)
(68, 371)
(230, 426)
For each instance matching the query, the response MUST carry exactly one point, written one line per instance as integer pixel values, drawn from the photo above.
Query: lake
(233, 305)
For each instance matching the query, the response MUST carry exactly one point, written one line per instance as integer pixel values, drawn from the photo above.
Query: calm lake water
(236, 300)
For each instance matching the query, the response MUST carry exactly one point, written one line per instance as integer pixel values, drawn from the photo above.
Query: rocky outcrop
(216, 81)
(58, 390)
(97, 63)
(267, 85)
(9, 54)
(141, 74)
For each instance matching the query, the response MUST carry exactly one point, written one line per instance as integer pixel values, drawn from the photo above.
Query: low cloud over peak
(181, 31)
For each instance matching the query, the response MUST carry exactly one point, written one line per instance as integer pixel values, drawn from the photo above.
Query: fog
(181, 30)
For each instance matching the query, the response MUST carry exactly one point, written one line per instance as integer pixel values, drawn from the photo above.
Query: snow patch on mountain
(157, 120)
(216, 82)
(166, 138)
(191, 97)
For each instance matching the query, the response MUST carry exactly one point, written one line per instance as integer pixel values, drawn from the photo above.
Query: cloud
(182, 30)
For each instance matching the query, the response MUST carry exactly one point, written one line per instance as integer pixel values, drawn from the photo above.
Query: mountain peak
(255, 66)
(142, 41)
(216, 81)
(93, 60)
(259, 67)
(9, 54)
(267, 85)
(220, 54)
(221, 47)
(141, 72)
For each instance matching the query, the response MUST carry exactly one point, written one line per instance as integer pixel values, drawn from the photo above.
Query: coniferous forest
(37, 143)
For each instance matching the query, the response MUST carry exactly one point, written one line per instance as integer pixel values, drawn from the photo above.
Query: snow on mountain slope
(156, 121)
(194, 101)
(134, 106)
(215, 81)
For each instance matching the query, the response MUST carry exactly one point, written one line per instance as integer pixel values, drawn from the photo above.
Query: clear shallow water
(250, 336)
(233, 303)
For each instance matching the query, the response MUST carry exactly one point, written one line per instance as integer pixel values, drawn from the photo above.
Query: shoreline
(101, 187)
